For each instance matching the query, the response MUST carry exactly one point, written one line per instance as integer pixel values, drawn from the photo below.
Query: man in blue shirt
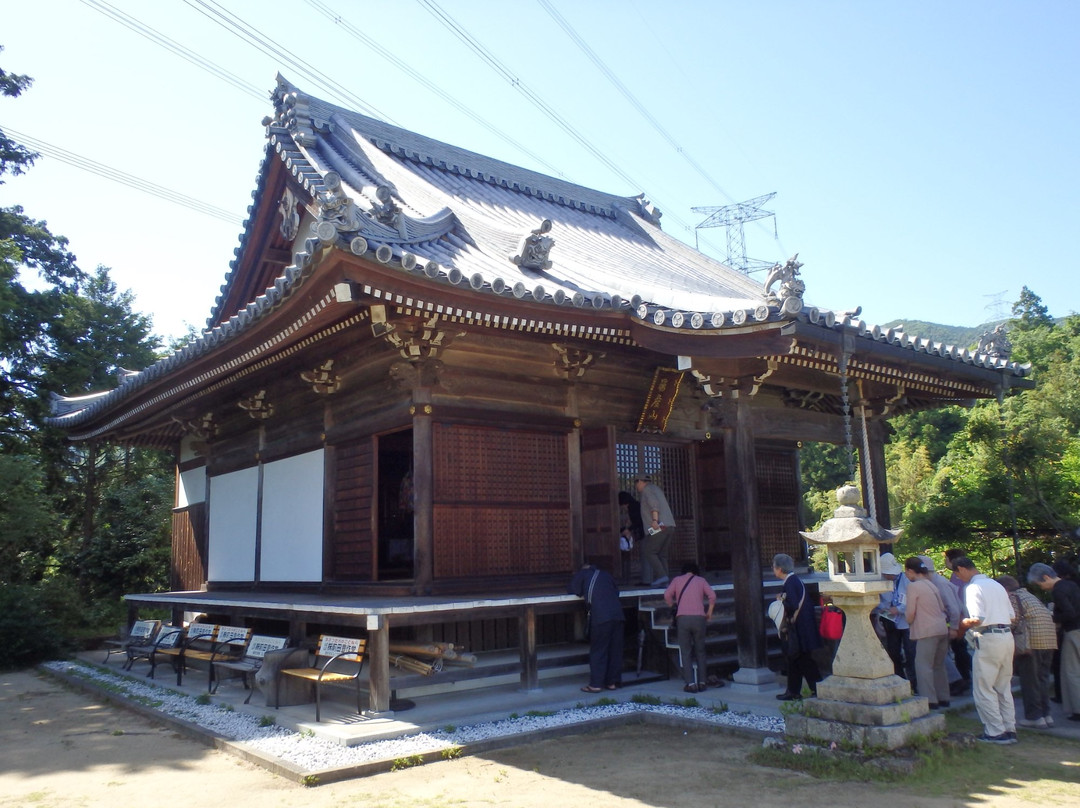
(605, 626)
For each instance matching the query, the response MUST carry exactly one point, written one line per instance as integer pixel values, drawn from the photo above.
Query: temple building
(430, 373)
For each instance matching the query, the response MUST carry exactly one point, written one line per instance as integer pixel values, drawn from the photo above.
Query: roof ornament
(385, 211)
(290, 219)
(336, 209)
(534, 248)
(789, 296)
(647, 210)
(995, 343)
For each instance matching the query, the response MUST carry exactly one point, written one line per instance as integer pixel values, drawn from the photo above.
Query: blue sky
(923, 153)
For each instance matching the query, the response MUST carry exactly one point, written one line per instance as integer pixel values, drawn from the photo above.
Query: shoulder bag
(675, 611)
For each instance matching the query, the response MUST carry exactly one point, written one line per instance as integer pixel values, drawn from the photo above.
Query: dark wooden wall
(502, 501)
(352, 552)
(188, 570)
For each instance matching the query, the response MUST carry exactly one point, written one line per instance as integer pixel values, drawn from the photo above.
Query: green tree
(1030, 312)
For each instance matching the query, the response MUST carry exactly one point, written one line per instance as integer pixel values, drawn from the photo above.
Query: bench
(166, 639)
(247, 665)
(346, 654)
(204, 643)
(140, 633)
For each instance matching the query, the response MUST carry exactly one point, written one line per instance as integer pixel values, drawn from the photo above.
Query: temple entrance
(670, 467)
(395, 506)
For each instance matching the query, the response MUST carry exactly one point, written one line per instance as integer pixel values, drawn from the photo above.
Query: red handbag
(832, 623)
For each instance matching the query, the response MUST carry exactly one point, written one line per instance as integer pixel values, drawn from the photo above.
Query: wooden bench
(248, 665)
(140, 633)
(345, 654)
(166, 639)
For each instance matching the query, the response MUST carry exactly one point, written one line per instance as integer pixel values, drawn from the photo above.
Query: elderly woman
(1034, 623)
(925, 613)
(803, 638)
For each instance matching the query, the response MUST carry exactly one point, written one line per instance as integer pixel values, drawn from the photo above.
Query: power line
(130, 180)
(158, 38)
(493, 62)
(418, 77)
(235, 25)
(629, 96)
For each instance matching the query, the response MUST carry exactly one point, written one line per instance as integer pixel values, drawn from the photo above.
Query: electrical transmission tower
(733, 217)
(997, 305)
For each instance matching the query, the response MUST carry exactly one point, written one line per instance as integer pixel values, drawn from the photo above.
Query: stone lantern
(863, 702)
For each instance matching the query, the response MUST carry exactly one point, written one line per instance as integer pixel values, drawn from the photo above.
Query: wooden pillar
(530, 675)
(745, 539)
(378, 653)
(423, 493)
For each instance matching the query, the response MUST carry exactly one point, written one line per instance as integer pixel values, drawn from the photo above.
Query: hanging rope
(846, 404)
(867, 463)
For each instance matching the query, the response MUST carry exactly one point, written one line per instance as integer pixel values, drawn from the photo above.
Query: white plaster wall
(292, 519)
(233, 507)
(192, 487)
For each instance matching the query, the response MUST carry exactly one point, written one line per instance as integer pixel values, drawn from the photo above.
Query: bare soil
(62, 749)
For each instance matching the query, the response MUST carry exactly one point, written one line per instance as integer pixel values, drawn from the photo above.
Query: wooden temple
(430, 373)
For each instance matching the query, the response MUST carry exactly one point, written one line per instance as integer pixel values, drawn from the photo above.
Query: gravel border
(310, 760)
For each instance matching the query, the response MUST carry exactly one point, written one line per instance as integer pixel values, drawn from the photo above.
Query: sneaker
(1001, 739)
(1011, 736)
(1049, 721)
(1036, 723)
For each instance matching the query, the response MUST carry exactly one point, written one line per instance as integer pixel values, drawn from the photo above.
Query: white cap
(927, 562)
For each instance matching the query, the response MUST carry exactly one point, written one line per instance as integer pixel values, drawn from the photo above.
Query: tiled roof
(463, 219)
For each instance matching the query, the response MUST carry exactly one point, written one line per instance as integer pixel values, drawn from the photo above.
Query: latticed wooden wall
(502, 501)
(352, 551)
(670, 467)
(778, 504)
(188, 548)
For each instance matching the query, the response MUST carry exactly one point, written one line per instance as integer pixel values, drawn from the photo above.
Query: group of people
(944, 635)
(991, 626)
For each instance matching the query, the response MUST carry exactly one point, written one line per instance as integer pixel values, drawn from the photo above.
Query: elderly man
(1066, 597)
(659, 524)
(990, 616)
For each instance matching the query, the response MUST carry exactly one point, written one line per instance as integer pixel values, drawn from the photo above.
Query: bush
(32, 628)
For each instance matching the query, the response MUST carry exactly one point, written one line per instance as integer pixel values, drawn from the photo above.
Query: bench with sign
(205, 644)
(248, 665)
(166, 640)
(140, 633)
(338, 660)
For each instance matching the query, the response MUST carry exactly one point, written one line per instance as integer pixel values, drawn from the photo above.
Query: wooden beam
(746, 537)
(378, 651)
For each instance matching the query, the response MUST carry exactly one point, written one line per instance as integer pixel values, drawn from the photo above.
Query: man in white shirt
(990, 616)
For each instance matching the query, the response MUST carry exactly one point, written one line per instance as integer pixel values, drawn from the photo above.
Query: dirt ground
(60, 748)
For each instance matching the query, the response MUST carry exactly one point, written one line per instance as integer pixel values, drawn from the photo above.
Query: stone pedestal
(863, 703)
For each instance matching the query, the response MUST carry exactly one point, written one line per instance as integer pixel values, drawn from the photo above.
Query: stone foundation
(865, 713)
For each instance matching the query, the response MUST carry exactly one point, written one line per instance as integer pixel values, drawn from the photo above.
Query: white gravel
(315, 754)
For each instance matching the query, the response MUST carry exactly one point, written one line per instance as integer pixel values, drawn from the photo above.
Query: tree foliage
(80, 524)
(1000, 479)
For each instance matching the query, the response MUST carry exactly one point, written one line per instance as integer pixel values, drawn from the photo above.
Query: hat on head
(643, 478)
(927, 562)
(889, 565)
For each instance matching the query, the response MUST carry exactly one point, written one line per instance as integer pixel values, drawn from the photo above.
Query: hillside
(958, 335)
